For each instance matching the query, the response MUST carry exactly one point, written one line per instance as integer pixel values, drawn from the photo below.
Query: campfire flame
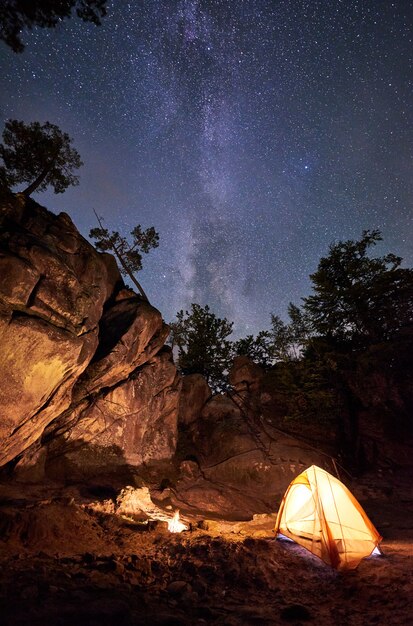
(175, 525)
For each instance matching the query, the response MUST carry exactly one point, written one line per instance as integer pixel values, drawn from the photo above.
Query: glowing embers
(175, 525)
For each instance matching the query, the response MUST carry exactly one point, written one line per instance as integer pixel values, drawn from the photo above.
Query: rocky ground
(71, 559)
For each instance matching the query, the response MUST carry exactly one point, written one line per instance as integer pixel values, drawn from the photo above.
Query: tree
(202, 343)
(358, 299)
(259, 349)
(284, 342)
(4, 179)
(38, 154)
(19, 15)
(128, 255)
(361, 320)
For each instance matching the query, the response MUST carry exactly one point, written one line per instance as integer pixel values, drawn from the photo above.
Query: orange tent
(319, 513)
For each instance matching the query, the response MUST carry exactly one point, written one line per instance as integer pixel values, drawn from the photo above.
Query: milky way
(251, 134)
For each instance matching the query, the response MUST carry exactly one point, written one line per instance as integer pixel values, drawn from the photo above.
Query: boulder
(137, 503)
(242, 462)
(245, 375)
(195, 394)
(238, 451)
(50, 271)
(52, 291)
(131, 332)
(39, 365)
(220, 408)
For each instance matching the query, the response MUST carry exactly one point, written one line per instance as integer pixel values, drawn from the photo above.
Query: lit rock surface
(131, 332)
(245, 374)
(194, 394)
(72, 337)
(39, 366)
(133, 423)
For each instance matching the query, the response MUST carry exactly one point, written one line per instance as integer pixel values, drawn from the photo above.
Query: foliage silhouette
(38, 154)
(358, 299)
(16, 16)
(128, 254)
(203, 347)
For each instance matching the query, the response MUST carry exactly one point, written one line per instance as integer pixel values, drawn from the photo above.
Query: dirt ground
(67, 561)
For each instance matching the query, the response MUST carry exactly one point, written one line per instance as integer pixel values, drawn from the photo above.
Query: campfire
(175, 525)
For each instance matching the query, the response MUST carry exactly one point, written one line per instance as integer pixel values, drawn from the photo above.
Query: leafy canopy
(130, 253)
(19, 15)
(357, 298)
(38, 154)
(259, 349)
(202, 343)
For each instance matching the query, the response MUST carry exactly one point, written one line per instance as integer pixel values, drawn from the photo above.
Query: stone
(131, 333)
(137, 503)
(189, 470)
(52, 290)
(195, 394)
(39, 366)
(79, 360)
(178, 587)
(245, 374)
(134, 423)
(119, 568)
(220, 408)
(30, 468)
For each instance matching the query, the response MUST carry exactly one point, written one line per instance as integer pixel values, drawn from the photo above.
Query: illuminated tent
(319, 513)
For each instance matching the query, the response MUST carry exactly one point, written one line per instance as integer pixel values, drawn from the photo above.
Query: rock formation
(243, 442)
(79, 363)
(132, 423)
(195, 393)
(234, 461)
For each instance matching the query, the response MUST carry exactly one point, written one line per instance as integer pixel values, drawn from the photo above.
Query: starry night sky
(250, 133)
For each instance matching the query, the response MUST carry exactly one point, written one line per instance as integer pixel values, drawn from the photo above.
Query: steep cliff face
(131, 423)
(75, 344)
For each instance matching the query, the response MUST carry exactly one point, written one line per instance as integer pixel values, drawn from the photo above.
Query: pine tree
(38, 154)
(129, 255)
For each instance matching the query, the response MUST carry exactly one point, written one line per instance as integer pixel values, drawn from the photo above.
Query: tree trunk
(38, 181)
(131, 276)
(124, 265)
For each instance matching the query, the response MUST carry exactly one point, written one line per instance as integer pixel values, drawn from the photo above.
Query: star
(189, 116)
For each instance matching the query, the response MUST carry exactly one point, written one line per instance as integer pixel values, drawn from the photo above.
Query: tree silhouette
(358, 299)
(19, 15)
(38, 154)
(128, 254)
(259, 349)
(284, 342)
(202, 343)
